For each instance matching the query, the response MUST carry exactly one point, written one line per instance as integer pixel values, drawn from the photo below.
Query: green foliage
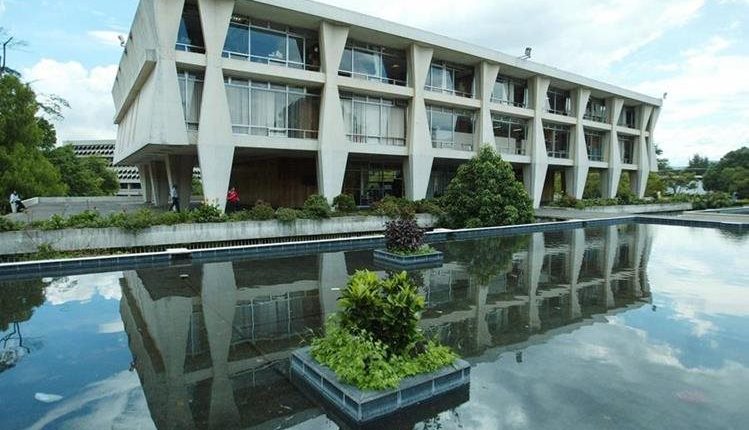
(428, 206)
(18, 300)
(86, 219)
(344, 203)
(140, 220)
(7, 225)
(316, 206)
(359, 359)
(698, 164)
(486, 258)
(713, 200)
(46, 251)
(730, 174)
(388, 309)
(654, 186)
(83, 176)
(393, 207)
(172, 218)
(207, 213)
(484, 193)
(196, 187)
(55, 222)
(403, 235)
(262, 211)
(288, 215)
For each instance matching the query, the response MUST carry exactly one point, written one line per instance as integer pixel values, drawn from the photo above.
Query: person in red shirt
(232, 197)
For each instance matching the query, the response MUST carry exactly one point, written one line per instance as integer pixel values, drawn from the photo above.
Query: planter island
(391, 260)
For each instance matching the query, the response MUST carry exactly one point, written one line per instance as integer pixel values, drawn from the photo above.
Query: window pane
(296, 49)
(464, 82)
(365, 63)
(373, 120)
(267, 44)
(346, 60)
(280, 105)
(347, 115)
(394, 68)
(195, 98)
(237, 39)
(449, 79)
(359, 118)
(396, 122)
(441, 126)
(435, 77)
(239, 105)
(263, 109)
(500, 91)
(190, 32)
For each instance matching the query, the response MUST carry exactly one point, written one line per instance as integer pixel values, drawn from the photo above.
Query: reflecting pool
(629, 326)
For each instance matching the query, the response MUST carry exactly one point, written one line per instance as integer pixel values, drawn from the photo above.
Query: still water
(629, 326)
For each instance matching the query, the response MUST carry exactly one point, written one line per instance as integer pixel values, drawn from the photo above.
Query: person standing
(13, 200)
(233, 198)
(174, 195)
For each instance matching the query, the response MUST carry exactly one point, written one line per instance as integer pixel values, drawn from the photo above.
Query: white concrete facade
(156, 134)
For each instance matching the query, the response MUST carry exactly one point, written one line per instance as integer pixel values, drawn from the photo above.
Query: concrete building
(127, 175)
(285, 98)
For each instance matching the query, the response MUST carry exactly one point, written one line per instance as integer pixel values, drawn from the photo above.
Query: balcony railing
(505, 146)
(509, 103)
(559, 112)
(189, 48)
(594, 117)
(294, 133)
(376, 140)
(448, 91)
(595, 156)
(367, 77)
(558, 154)
(272, 61)
(448, 144)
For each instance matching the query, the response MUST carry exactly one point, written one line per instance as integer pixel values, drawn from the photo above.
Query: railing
(448, 91)
(593, 117)
(388, 141)
(269, 60)
(293, 133)
(595, 156)
(189, 48)
(448, 144)
(558, 112)
(558, 154)
(507, 102)
(192, 125)
(627, 159)
(367, 77)
(506, 147)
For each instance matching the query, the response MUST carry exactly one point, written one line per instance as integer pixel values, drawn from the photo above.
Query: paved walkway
(65, 208)
(569, 214)
(566, 214)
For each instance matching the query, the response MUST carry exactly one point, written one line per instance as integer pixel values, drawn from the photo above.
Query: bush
(375, 340)
(207, 213)
(137, 221)
(403, 235)
(427, 206)
(344, 203)
(172, 218)
(288, 215)
(316, 206)
(8, 225)
(485, 192)
(262, 211)
(393, 207)
(86, 219)
(55, 222)
(712, 200)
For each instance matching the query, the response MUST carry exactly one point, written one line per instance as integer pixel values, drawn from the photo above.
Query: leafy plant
(713, 200)
(7, 225)
(86, 219)
(393, 207)
(262, 211)
(288, 215)
(316, 206)
(344, 203)
(403, 235)
(207, 213)
(484, 193)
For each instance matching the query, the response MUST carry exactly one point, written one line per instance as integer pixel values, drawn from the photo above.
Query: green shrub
(262, 211)
(485, 192)
(172, 218)
(393, 207)
(403, 235)
(55, 222)
(344, 203)
(316, 206)
(427, 206)
(135, 222)
(288, 215)
(86, 219)
(46, 251)
(712, 200)
(8, 225)
(207, 213)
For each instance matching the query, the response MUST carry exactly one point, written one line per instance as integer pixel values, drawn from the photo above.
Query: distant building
(127, 175)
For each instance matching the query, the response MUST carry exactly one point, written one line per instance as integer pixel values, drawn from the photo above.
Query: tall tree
(730, 174)
(84, 176)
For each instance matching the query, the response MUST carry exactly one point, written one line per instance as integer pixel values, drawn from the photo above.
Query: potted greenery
(373, 359)
(404, 246)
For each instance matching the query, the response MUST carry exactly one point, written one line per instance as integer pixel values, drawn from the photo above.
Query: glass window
(595, 110)
(374, 120)
(265, 44)
(374, 63)
(191, 90)
(559, 101)
(370, 182)
(237, 39)
(190, 33)
(626, 148)
(451, 128)
(265, 109)
(450, 79)
(557, 140)
(510, 91)
(347, 60)
(366, 63)
(594, 144)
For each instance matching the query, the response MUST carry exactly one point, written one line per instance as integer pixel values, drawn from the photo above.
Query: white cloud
(107, 37)
(82, 288)
(2, 6)
(87, 90)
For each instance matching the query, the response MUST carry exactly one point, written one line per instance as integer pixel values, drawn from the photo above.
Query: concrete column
(487, 76)
(610, 177)
(333, 278)
(179, 172)
(651, 144)
(578, 174)
(144, 172)
(333, 153)
(159, 183)
(611, 244)
(483, 336)
(418, 167)
(219, 296)
(215, 139)
(536, 252)
(639, 181)
(534, 178)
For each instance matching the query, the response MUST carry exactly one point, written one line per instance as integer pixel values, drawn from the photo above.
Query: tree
(662, 162)
(730, 174)
(85, 176)
(678, 181)
(23, 166)
(699, 162)
(484, 192)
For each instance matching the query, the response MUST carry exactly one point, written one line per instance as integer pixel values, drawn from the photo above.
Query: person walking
(233, 198)
(174, 195)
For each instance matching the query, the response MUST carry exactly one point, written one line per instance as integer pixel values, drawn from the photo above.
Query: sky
(696, 51)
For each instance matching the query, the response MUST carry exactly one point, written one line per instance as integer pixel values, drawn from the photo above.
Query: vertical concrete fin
(487, 77)
(642, 154)
(610, 177)
(418, 166)
(332, 154)
(651, 144)
(577, 176)
(539, 158)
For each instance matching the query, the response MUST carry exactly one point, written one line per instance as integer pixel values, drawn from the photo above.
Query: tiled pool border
(289, 249)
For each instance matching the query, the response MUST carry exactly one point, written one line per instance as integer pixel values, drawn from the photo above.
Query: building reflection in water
(211, 342)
